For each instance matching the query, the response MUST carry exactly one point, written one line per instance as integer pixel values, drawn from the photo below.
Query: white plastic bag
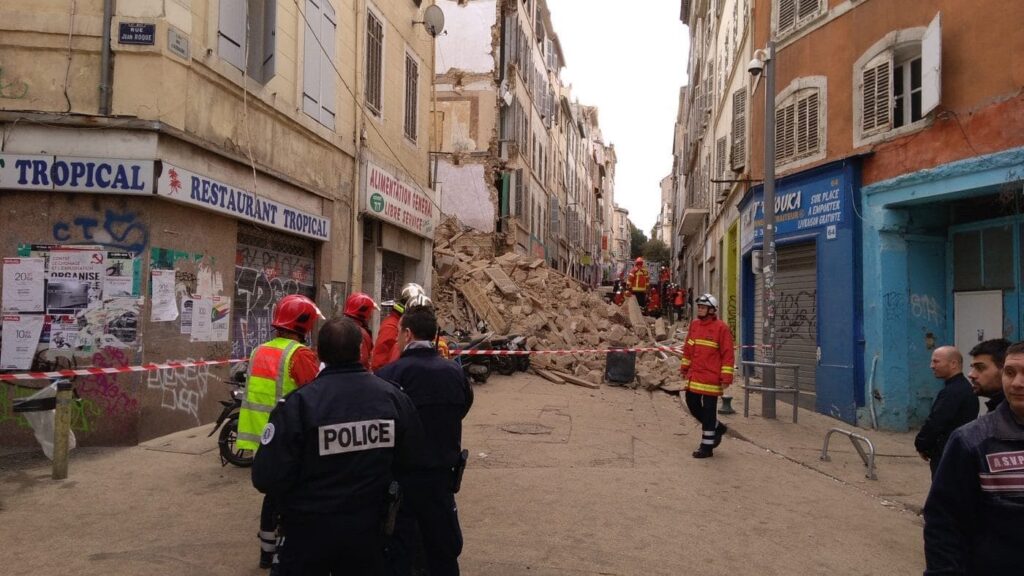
(42, 422)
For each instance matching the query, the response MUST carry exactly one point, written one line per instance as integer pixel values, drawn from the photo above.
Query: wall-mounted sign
(182, 185)
(75, 174)
(816, 204)
(136, 33)
(177, 43)
(400, 203)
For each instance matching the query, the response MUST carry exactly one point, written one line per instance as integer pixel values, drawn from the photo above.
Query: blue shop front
(817, 285)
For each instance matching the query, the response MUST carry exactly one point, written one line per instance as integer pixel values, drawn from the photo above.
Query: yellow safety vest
(269, 381)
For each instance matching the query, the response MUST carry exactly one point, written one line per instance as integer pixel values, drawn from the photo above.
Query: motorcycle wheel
(481, 378)
(506, 366)
(226, 440)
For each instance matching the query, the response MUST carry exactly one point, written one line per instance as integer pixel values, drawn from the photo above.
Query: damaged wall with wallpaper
(79, 291)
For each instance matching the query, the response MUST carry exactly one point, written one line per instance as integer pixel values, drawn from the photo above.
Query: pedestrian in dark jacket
(976, 504)
(329, 455)
(954, 406)
(442, 395)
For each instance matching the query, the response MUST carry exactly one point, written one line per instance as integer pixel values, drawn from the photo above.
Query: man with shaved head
(954, 406)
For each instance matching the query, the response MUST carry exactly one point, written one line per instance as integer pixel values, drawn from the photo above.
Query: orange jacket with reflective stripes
(708, 356)
(638, 279)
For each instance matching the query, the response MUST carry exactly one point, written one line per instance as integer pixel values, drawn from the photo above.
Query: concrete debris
(514, 293)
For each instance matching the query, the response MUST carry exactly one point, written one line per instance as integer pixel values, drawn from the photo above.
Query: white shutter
(877, 94)
(739, 130)
(931, 66)
(328, 77)
(231, 32)
(268, 63)
(787, 14)
(311, 57)
(808, 8)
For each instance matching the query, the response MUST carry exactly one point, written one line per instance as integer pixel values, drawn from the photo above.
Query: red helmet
(639, 259)
(296, 313)
(360, 306)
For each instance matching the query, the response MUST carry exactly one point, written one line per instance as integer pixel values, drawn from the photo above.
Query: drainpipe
(106, 64)
(356, 260)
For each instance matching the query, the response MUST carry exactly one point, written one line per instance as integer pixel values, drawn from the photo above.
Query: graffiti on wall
(796, 317)
(107, 389)
(925, 307)
(181, 389)
(118, 229)
(262, 277)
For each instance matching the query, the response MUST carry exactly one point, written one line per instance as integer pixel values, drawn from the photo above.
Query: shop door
(392, 278)
(977, 316)
(796, 318)
(268, 266)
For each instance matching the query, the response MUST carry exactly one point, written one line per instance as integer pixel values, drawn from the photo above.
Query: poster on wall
(64, 333)
(75, 281)
(165, 308)
(20, 340)
(23, 284)
(220, 319)
(186, 315)
(202, 319)
(119, 276)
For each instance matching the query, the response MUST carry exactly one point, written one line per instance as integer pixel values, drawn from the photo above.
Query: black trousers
(344, 545)
(268, 525)
(428, 515)
(641, 299)
(705, 409)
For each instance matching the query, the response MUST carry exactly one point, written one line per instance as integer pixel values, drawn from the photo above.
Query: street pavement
(562, 480)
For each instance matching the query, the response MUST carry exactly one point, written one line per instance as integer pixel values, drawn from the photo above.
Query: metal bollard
(726, 406)
(61, 430)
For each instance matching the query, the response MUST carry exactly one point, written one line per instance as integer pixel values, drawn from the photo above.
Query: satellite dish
(433, 20)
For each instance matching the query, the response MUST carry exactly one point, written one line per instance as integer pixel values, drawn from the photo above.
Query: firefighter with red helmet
(638, 281)
(276, 368)
(360, 307)
(707, 364)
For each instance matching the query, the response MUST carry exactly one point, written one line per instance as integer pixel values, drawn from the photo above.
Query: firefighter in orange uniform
(638, 281)
(707, 364)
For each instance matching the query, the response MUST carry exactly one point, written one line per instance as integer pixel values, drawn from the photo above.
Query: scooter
(508, 365)
(229, 419)
(476, 368)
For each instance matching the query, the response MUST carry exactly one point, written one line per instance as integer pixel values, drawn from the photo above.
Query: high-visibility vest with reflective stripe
(638, 280)
(269, 381)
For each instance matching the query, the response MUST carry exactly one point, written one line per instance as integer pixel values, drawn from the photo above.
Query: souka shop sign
(811, 205)
(188, 187)
(75, 174)
(400, 203)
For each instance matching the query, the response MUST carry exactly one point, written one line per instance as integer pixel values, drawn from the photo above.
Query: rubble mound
(516, 294)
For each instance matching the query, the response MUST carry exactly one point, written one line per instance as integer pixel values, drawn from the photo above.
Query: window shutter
(739, 130)
(311, 60)
(877, 94)
(785, 132)
(787, 14)
(519, 193)
(268, 64)
(813, 132)
(931, 66)
(374, 60)
(231, 32)
(808, 8)
(720, 146)
(803, 128)
(411, 96)
(328, 77)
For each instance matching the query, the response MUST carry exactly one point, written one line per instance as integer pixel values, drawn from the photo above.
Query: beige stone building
(516, 155)
(170, 168)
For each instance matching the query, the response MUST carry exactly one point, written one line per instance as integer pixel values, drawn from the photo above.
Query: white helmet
(409, 291)
(707, 300)
(418, 300)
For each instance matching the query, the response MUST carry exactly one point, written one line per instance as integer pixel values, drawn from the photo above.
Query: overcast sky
(629, 60)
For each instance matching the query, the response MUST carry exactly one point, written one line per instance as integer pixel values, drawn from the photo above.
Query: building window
(798, 124)
(374, 62)
(738, 153)
(898, 82)
(720, 159)
(412, 70)
(246, 33)
(791, 15)
(319, 79)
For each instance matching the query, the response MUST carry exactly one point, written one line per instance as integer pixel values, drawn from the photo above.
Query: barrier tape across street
(93, 371)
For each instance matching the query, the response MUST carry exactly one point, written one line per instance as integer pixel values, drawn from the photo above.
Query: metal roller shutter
(796, 316)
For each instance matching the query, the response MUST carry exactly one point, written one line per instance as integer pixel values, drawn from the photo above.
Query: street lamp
(764, 63)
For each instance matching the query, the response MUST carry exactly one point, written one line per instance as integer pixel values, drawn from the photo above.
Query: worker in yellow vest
(276, 369)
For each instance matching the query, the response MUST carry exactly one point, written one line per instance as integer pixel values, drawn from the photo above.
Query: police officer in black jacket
(330, 454)
(954, 406)
(442, 396)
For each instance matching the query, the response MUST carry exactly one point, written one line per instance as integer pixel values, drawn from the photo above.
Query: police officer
(329, 455)
(442, 396)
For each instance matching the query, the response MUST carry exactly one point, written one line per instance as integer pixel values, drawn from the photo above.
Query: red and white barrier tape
(563, 352)
(98, 371)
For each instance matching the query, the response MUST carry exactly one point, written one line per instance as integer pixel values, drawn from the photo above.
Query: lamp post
(765, 60)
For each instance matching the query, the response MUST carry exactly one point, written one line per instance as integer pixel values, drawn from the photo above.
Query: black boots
(703, 452)
(720, 431)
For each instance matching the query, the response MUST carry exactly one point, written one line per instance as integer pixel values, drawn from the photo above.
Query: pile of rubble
(518, 294)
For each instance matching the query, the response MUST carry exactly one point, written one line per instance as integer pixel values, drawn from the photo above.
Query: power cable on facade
(67, 70)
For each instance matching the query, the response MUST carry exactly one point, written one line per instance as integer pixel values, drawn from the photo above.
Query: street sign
(136, 33)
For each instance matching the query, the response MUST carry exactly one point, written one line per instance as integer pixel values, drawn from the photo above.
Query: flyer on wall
(64, 333)
(164, 308)
(119, 276)
(23, 285)
(202, 319)
(75, 281)
(20, 339)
